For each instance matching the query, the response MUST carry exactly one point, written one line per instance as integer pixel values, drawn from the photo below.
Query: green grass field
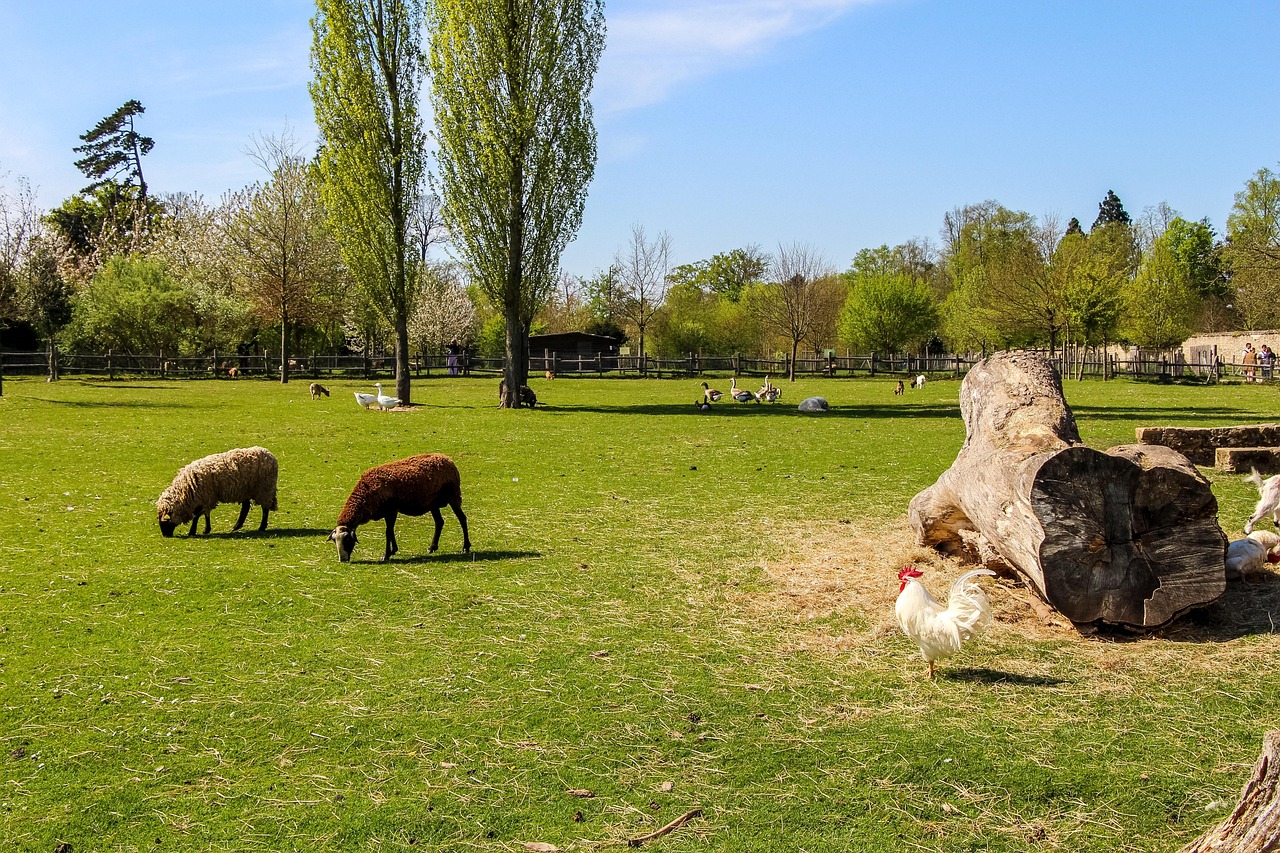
(671, 610)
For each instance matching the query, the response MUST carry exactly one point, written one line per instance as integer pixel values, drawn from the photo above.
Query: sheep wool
(244, 475)
(412, 486)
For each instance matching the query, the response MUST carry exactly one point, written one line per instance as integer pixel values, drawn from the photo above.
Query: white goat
(1251, 553)
(918, 382)
(1268, 499)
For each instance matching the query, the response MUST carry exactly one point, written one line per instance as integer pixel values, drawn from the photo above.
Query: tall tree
(368, 64)
(1111, 210)
(113, 151)
(1253, 250)
(511, 81)
(19, 227)
(1160, 303)
(45, 296)
(727, 274)
(642, 269)
(283, 253)
(887, 312)
(792, 305)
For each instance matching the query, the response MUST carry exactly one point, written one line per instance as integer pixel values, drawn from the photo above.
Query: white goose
(385, 402)
(365, 400)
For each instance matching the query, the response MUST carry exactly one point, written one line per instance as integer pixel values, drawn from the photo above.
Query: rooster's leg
(930, 670)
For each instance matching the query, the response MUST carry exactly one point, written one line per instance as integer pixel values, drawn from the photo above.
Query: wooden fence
(1205, 366)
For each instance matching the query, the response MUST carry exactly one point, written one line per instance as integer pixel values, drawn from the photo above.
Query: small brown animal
(233, 372)
(901, 389)
(317, 389)
(551, 374)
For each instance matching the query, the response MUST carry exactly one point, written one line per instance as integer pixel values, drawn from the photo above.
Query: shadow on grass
(449, 557)
(1159, 415)
(980, 675)
(269, 533)
(1244, 610)
(120, 404)
(737, 410)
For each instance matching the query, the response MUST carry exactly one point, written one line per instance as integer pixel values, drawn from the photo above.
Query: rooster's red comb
(909, 571)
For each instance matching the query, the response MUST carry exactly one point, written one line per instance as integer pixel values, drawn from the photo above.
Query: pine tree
(1111, 210)
(114, 148)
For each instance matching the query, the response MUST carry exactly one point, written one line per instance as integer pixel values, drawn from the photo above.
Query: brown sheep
(412, 486)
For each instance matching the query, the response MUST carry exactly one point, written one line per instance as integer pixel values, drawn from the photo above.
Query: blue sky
(843, 124)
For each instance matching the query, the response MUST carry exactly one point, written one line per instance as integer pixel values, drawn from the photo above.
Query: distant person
(453, 350)
(1249, 358)
(1267, 359)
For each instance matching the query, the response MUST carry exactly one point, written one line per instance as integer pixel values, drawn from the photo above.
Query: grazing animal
(366, 401)
(900, 389)
(742, 395)
(1268, 499)
(1251, 553)
(385, 402)
(941, 631)
(710, 394)
(918, 382)
(317, 389)
(551, 374)
(233, 372)
(527, 397)
(244, 475)
(413, 486)
(813, 404)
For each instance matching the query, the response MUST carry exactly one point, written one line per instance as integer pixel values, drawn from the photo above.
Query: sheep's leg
(195, 520)
(435, 540)
(265, 513)
(462, 520)
(391, 537)
(206, 522)
(244, 511)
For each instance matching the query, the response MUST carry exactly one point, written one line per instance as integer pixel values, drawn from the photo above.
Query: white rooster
(940, 631)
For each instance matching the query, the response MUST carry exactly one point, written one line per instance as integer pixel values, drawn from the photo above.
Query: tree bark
(403, 374)
(1126, 537)
(1254, 825)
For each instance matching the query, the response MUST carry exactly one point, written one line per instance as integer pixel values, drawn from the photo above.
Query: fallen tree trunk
(1254, 825)
(1128, 537)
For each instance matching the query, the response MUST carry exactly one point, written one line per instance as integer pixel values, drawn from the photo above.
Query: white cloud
(651, 51)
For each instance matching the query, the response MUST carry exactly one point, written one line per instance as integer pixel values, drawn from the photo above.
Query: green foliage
(113, 151)
(618, 628)
(1160, 303)
(887, 312)
(726, 274)
(511, 83)
(132, 305)
(368, 64)
(1253, 251)
(1094, 291)
(1193, 246)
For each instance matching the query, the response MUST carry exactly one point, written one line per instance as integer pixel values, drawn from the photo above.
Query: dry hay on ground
(849, 570)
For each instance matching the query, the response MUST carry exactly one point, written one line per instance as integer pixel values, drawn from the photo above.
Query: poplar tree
(369, 68)
(510, 87)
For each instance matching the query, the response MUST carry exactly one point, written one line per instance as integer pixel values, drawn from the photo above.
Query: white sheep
(412, 486)
(243, 475)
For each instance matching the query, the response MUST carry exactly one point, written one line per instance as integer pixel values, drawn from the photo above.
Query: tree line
(360, 247)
